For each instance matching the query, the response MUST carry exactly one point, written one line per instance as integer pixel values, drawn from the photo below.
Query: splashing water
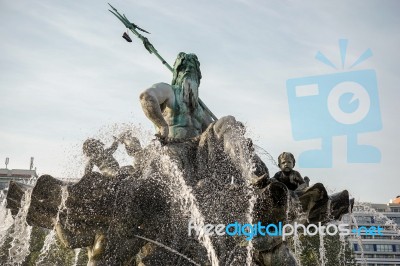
(22, 232)
(322, 251)
(359, 239)
(249, 218)
(298, 249)
(267, 157)
(378, 216)
(189, 204)
(361, 207)
(342, 252)
(182, 193)
(244, 160)
(6, 219)
(249, 214)
(50, 239)
(344, 243)
(77, 252)
(169, 249)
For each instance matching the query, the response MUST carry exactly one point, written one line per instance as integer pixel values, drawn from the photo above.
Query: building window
(364, 220)
(383, 237)
(346, 219)
(384, 256)
(366, 236)
(368, 247)
(384, 248)
(395, 219)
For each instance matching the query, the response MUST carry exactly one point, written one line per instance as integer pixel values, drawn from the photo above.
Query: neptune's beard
(190, 87)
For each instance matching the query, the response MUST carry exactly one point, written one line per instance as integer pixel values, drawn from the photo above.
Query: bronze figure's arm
(151, 101)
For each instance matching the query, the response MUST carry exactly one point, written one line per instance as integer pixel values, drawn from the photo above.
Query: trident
(149, 47)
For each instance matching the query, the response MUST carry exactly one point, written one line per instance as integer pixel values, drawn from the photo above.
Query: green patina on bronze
(186, 65)
(188, 62)
(149, 47)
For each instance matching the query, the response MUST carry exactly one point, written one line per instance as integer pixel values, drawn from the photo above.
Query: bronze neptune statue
(199, 170)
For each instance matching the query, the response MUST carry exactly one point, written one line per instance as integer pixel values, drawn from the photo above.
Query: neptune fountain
(198, 171)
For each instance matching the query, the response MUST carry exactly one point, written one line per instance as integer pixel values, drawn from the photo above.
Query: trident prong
(149, 47)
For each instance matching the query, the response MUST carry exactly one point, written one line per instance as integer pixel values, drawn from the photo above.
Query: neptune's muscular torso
(175, 109)
(184, 120)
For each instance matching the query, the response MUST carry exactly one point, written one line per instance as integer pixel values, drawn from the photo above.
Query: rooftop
(17, 173)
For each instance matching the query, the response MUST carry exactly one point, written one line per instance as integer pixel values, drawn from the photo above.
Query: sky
(67, 75)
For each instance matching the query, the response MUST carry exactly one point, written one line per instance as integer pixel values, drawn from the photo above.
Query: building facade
(20, 175)
(376, 250)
